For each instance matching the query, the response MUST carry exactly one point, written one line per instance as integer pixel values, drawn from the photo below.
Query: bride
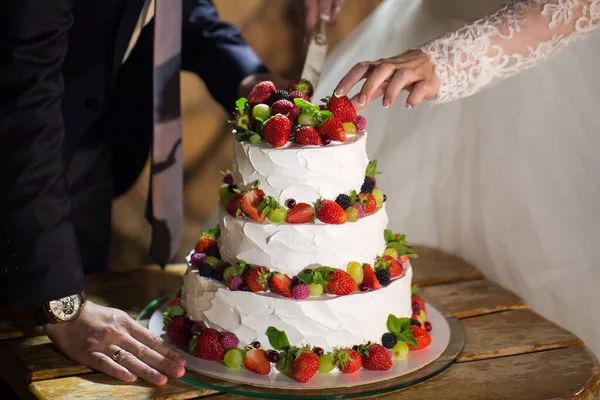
(507, 177)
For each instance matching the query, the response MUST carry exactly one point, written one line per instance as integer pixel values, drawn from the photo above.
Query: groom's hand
(314, 10)
(108, 340)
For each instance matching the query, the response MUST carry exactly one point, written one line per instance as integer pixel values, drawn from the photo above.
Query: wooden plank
(571, 373)
(434, 267)
(471, 298)
(99, 386)
(511, 333)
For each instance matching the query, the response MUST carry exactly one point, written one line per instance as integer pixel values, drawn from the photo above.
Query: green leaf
(241, 104)
(414, 289)
(407, 336)
(278, 339)
(176, 311)
(255, 139)
(303, 104)
(215, 232)
(393, 324)
(306, 276)
(372, 169)
(388, 235)
(404, 323)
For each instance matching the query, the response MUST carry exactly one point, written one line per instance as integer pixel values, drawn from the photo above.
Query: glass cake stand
(446, 345)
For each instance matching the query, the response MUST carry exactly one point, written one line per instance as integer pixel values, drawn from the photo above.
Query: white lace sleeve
(518, 37)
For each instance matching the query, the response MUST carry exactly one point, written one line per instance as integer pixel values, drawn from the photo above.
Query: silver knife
(315, 56)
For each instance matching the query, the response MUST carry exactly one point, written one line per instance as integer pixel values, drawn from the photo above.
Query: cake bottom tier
(323, 321)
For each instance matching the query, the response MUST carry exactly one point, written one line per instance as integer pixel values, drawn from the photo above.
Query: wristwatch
(61, 310)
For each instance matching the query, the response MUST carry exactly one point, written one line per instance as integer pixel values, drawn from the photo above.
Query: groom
(78, 116)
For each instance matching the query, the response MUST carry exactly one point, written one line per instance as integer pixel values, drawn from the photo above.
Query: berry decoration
(330, 212)
(383, 276)
(277, 95)
(261, 92)
(389, 340)
(229, 340)
(277, 130)
(235, 283)
(368, 185)
(344, 201)
(361, 123)
(301, 291)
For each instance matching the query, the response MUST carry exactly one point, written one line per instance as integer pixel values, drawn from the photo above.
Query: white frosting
(325, 321)
(290, 248)
(305, 173)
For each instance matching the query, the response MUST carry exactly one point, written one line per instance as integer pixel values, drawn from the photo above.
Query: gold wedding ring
(116, 355)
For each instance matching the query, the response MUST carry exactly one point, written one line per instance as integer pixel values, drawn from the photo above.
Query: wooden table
(511, 352)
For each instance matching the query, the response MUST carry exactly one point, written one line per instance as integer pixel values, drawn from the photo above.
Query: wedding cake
(301, 270)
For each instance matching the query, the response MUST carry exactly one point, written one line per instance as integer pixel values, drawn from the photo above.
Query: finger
(400, 80)
(154, 342)
(135, 366)
(417, 94)
(105, 364)
(325, 8)
(311, 16)
(355, 75)
(152, 358)
(336, 8)
(378, 93)
(379, 75)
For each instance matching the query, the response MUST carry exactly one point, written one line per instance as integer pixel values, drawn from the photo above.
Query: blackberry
(389, 340)
(383, 276)
(279, 95)
(368, 185)
(231, 188)
(344, 201)
(415, 322)
(205, 270)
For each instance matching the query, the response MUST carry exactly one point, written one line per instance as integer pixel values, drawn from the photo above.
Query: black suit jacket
(61, 77)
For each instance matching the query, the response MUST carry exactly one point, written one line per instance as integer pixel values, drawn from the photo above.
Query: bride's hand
(108, 340)
(387, 77)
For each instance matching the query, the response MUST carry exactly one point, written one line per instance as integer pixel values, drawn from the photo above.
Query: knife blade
(315, 56)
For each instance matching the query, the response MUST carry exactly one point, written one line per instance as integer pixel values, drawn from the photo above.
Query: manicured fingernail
(362, 99)
(338, 92)
(408, 106)
(386, 103)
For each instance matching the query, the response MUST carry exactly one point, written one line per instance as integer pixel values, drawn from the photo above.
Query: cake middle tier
(303, 173)
(290, 248)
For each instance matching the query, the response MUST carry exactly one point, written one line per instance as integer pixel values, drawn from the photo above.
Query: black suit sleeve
(216, 51)
(39, 257)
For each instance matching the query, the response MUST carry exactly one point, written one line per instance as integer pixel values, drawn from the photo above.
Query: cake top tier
(303, 173)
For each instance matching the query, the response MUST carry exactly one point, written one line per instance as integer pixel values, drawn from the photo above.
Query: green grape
(306, 120)
(233, 358)
(229, 272)
(392, 252)
(315, 289)
(277, 215)
(261, 111)
(255, 139)
(423, 316)
(212, 261)
(326, 363)
(349, 127)
(356, 271)
(378, 194)
(400, 351)
(352, 214)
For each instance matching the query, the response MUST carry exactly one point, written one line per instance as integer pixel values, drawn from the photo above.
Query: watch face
(66, 308)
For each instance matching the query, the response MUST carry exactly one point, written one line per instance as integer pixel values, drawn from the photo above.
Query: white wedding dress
(507, 177)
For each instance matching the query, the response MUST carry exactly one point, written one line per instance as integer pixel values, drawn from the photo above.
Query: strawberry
(206, 243)
(403, 259)
(250, 202)
(394, 266)
(333, 129)
(330, 212)
(234, 205)
(277, 130)
(302, 213)
(179, 330)
(282, 285)
(308, 136)
(296, 94)
(422, 337)
(347, 360)
(375, 357)
(209, 345)
(340, 283)
(305, 366)
(342, 109)
(368, 202)
(419, 299)
(301, 85)
(256, 278)
(174, 302)
(261, 92)
(369, 278)
(256, 360)
(287, 108)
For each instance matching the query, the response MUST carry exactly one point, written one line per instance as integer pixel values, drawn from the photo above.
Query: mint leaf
(215, 232)
(388, 235)
(240, 105)
(393, 324)
(306, 276)
(407, 336)
(372, 169)
(414, 289)
(278, 339)
(176, 311)
(303, 104)
(404, 323)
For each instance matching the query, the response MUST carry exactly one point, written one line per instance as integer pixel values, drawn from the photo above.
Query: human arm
(217, 52)
(461, 63)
